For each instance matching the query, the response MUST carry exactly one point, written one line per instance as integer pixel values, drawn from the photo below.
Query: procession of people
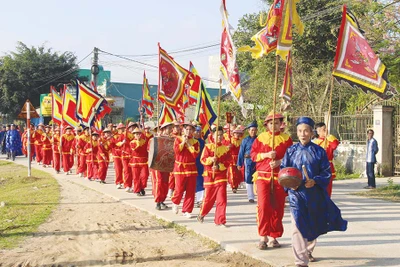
(203, 169)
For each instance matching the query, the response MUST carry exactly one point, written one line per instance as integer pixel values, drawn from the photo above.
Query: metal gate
(396, 141)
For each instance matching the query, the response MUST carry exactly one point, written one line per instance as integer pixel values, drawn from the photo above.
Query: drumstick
(305, 172)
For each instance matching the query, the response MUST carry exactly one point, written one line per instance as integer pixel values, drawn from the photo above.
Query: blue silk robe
(249, 165)
(313, 211)
(13, 141)
(200, 168)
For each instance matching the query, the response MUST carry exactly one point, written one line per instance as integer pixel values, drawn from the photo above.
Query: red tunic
(185, 158)
(223, 161)
(269, 211)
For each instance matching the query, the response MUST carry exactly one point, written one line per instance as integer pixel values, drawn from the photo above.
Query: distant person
(13, 142)
(372, 150)
(3, 132)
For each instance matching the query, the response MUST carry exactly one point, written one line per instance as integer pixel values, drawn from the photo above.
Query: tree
(29, 72)
(313, 55)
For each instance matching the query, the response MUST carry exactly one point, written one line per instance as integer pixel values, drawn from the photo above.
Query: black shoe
(158, 206)
(251, 200)
(234, 190)
(102, 182)
(143, 192)
(164, 206)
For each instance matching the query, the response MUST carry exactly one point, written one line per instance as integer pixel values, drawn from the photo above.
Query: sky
(122, 27)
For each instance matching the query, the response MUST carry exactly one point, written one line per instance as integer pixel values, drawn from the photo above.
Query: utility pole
(95, 67)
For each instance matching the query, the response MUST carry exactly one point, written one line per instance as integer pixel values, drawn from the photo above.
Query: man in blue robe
(244, 159)
(3, 132)
(200, 168)
(13, 142)
(312, 211)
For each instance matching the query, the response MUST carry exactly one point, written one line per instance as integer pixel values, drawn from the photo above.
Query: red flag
(229, 68)
(357, 64)
(147, 99)
(69, 110)
(174, 82)
(88, 104)
(56, 106)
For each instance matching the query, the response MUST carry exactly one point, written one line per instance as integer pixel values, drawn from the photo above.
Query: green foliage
(28, 202)
(313, 56)
(28, 72)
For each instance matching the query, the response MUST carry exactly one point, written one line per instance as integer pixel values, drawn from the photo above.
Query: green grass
(29, 201)
(390, 192)
(342, 173)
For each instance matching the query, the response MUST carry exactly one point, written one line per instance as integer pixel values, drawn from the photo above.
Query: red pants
(235, 177)
(47, 154)
(269, 218)
(160, 185)
(56, 161)
(102, 171)
(92, 169)
(182, 184)
(215, 194)
(118, 170)
(38, 152)
(82, 167)
(329, 188)
(171, 181)
(127, 172)
(140, 176)
(68, 162)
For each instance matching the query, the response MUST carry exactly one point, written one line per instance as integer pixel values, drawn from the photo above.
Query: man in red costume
(56, 149)
(138, 163)
(117, 155)
(91, 150)
(186, 149)
(124, 144)
(83, 140)
(37, 140)
(47, 153)
(235, 176)
(330, 144)
(176, 132)
(216, 162)
(267, 154)
(67, 146)
(161, 179)
(104, 155)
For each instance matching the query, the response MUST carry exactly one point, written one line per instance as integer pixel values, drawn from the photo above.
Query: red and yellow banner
(357, 64)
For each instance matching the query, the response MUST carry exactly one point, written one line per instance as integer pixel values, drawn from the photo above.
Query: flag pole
(158, 88)
(329, 114)
(28, 122)
(218, 116)
(271, 192)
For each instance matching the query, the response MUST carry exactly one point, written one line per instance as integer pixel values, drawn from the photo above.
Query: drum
(290, 177)
(161, 153)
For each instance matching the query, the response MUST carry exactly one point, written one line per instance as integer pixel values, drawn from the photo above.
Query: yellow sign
(45, 105)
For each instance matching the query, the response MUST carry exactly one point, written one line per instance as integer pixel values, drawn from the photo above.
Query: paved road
(372, 238)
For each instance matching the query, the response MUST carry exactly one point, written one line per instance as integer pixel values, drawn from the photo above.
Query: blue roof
(132, 93)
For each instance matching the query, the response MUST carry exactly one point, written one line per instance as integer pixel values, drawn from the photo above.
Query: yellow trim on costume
(266, 139)
(258, 176)
(215, 182)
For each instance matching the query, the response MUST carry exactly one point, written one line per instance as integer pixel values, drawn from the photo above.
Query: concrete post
(384, 136)
(329, 125)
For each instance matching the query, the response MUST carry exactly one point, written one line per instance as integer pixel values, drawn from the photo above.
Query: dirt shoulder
(90, 229)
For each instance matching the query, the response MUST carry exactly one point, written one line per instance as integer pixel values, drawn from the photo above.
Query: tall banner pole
(218, 116)
(328, 122)
(271, 192)
(158, 88)
(28, 122)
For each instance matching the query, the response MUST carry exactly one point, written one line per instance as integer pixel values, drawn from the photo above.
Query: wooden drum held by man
(161, 153)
